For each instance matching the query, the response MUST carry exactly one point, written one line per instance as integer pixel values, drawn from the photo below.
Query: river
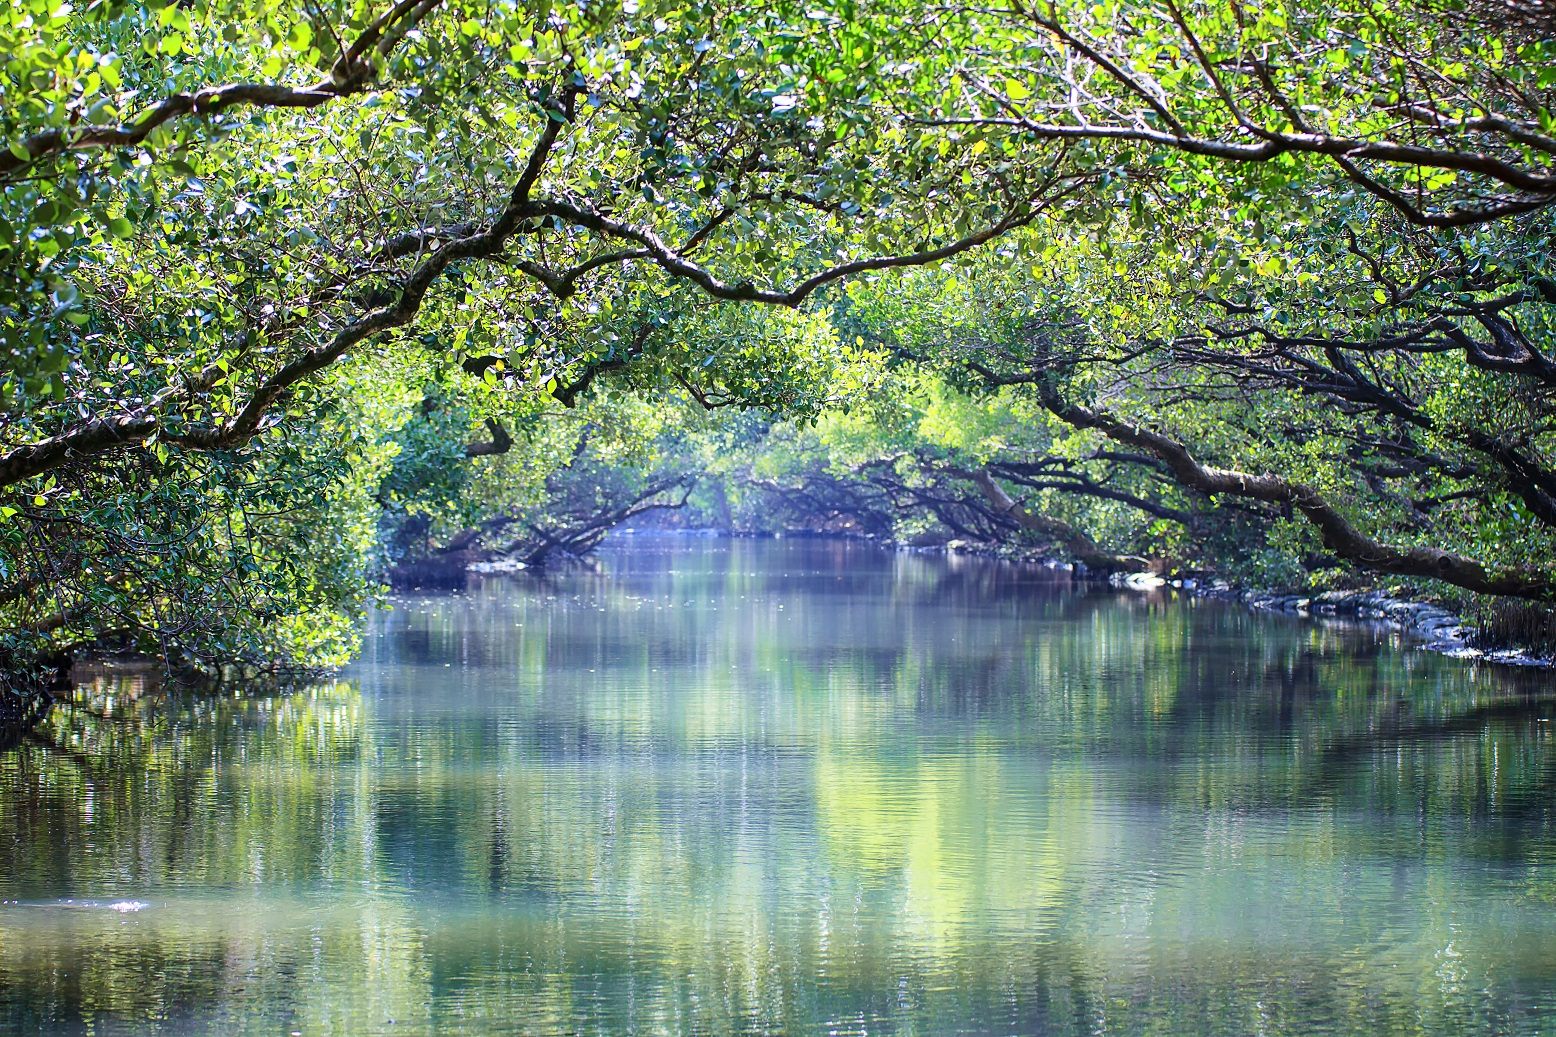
(799, 787)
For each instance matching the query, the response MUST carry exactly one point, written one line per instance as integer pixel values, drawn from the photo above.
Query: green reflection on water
(799, 788)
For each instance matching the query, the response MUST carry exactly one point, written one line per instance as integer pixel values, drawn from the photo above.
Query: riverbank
(1429, 626)
(1432, 627)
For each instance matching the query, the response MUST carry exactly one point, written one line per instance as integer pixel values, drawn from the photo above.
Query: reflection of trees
(737, 798)
(146, 799)
(20, 712)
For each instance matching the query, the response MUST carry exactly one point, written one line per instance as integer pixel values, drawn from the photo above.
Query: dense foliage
(293, 296)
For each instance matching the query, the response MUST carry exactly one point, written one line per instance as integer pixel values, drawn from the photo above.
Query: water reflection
(796, 788)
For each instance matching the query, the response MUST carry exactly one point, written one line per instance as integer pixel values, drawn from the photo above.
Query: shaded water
(799, 788)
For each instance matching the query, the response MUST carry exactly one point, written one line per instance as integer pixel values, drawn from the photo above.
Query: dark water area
(802, 788)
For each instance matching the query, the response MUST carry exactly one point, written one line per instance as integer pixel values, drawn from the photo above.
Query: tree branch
(1339, 535)
(500, 443)
(1075, 541)
(351, 74)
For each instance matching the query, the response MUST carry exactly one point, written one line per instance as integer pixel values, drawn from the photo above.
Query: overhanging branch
(352, 73)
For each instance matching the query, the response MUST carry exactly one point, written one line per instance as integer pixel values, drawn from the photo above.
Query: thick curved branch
(1338, 377)
(1505, 355)
(1501, 208)
(500, 443)
(1274, 144)
(1534, 185)
(1515, 168)
(588, 530)
(1075, 541)
(351, 74)
(1339, 535)
(567, 393)
(564, 284)
(1042, 477)
(674, 262)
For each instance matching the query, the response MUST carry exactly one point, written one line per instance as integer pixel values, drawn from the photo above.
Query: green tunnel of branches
(295, 299)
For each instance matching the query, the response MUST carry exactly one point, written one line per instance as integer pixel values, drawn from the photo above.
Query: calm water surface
(799, 788)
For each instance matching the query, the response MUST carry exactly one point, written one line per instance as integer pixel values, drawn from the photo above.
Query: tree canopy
(293, 294)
